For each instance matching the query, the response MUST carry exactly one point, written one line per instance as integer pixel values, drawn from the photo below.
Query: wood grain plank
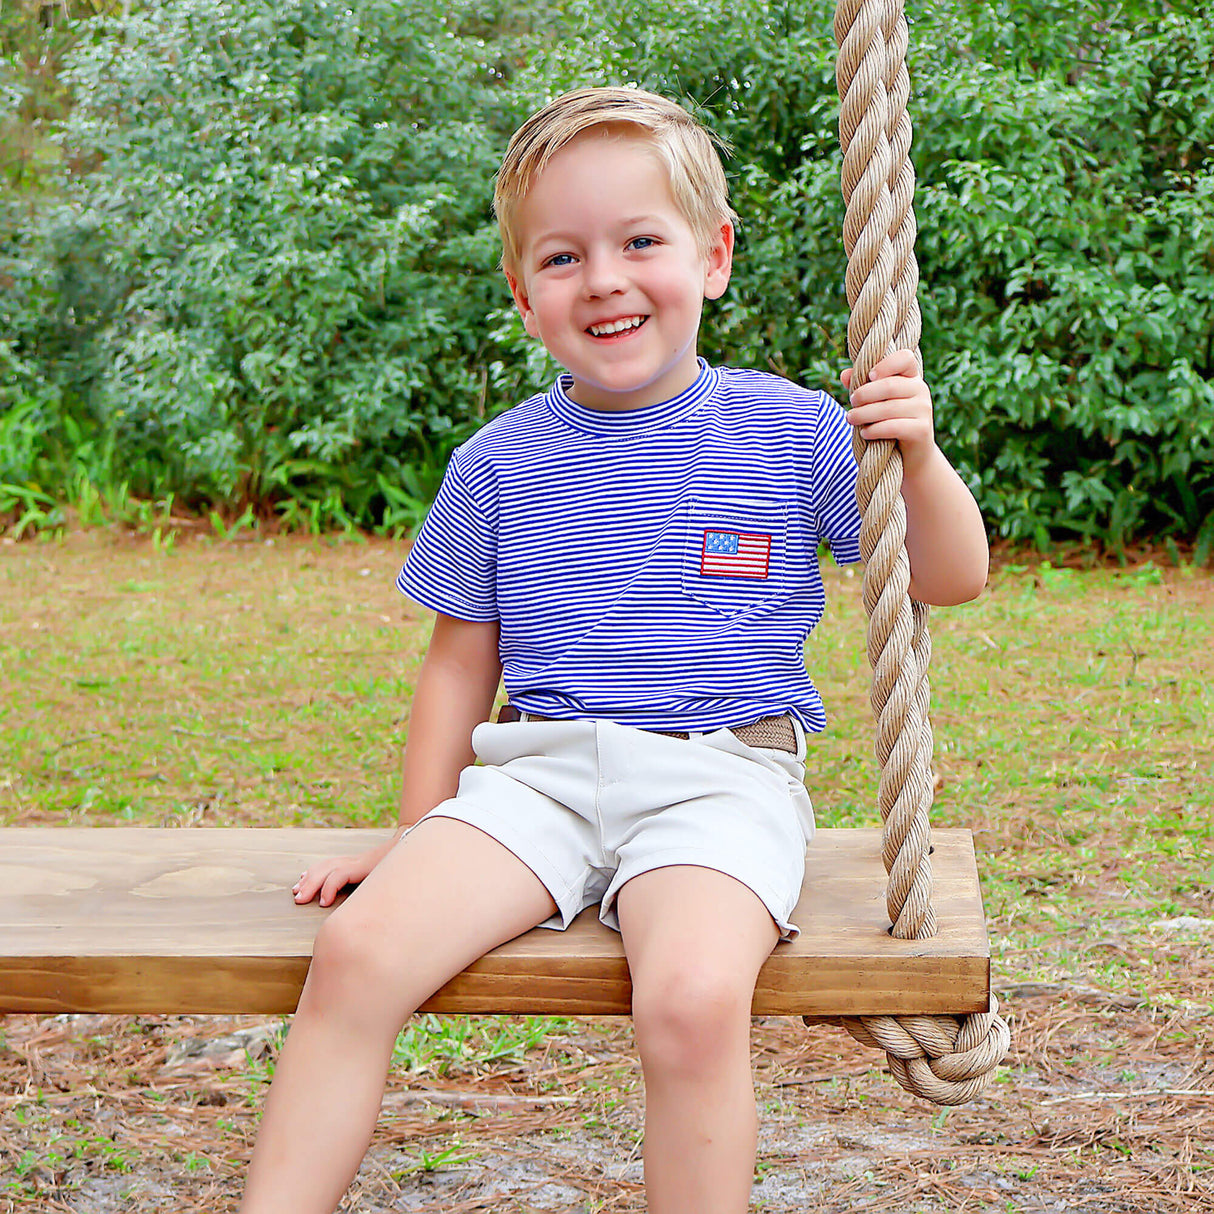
(202, 920)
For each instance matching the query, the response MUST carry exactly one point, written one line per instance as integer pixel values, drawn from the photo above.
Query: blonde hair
(686, 148)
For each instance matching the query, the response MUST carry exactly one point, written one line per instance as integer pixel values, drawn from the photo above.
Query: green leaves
(266, 272)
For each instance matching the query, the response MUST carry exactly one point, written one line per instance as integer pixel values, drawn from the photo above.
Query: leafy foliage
(273, 283)
(267, 275)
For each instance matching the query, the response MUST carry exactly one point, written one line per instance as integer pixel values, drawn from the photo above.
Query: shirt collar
(632, 421)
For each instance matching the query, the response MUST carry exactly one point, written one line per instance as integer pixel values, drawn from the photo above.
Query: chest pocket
(735, 556)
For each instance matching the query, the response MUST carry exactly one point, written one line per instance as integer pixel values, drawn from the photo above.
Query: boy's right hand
(329, 877)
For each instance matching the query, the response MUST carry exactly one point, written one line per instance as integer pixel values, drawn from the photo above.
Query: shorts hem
(524, 849)
(778, 907)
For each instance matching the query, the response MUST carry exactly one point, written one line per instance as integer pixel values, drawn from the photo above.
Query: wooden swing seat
(150, 920)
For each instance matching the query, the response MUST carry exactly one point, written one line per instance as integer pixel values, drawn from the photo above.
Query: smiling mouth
(612, 328)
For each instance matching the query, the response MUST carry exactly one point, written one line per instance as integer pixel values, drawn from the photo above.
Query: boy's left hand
(895, 404)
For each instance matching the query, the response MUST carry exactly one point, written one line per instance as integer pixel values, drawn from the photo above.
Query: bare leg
(695, 940)
(442, 898)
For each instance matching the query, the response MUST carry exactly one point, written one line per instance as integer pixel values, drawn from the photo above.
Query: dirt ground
(1104, 1107)
(1106, 1102)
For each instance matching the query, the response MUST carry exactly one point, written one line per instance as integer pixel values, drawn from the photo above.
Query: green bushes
(1070, 246)
(272, 284)
(267, 275)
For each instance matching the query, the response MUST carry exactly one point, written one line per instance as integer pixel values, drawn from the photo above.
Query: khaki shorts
(588, 805)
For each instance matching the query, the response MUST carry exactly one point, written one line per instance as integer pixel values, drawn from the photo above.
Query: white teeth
(617, 326)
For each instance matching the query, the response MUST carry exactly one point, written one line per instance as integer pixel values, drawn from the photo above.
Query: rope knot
(944, 1059)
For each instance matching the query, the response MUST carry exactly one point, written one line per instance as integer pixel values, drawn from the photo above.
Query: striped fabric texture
(656, 567)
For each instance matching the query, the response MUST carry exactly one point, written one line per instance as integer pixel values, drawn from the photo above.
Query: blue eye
(560, 259)
(642, 242)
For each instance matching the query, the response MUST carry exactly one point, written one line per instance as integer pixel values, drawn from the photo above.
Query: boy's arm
(455, 692)
(945, 538)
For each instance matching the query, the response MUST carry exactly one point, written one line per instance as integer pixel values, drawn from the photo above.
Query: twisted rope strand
(874, 287)
(945, 1059)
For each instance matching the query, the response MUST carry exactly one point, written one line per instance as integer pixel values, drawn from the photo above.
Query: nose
(603, 276)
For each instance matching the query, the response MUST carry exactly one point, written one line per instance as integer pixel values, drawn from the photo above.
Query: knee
(350, 961)
(688, 1019)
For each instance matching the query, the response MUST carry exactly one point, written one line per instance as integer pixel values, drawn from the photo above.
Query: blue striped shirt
(657, 567)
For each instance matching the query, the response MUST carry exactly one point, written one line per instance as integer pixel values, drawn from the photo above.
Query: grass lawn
(267, 681)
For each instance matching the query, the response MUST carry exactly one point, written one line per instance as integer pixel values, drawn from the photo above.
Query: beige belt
(774, 733)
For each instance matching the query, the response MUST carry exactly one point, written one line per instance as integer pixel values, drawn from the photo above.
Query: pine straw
(1107, 1104)
(1101, 1109)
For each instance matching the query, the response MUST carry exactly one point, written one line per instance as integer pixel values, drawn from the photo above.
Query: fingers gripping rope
(945, 1059)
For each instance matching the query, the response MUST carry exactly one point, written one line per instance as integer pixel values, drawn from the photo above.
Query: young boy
(635, 551)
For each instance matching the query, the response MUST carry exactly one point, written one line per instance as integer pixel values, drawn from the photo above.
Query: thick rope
(881, 294)
(945, 1059)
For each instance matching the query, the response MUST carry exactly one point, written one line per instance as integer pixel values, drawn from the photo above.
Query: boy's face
(610, 276)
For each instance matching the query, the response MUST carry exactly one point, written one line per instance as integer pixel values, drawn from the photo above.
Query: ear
(523, 303)
(720, 262)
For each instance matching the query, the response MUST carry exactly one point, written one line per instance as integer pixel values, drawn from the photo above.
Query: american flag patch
(735, 554)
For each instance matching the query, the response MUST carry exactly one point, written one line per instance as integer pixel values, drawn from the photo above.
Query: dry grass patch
(263, 681)
(269, 683)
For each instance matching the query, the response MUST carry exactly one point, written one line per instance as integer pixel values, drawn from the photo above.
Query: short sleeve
(835, 484)
(452, 566)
